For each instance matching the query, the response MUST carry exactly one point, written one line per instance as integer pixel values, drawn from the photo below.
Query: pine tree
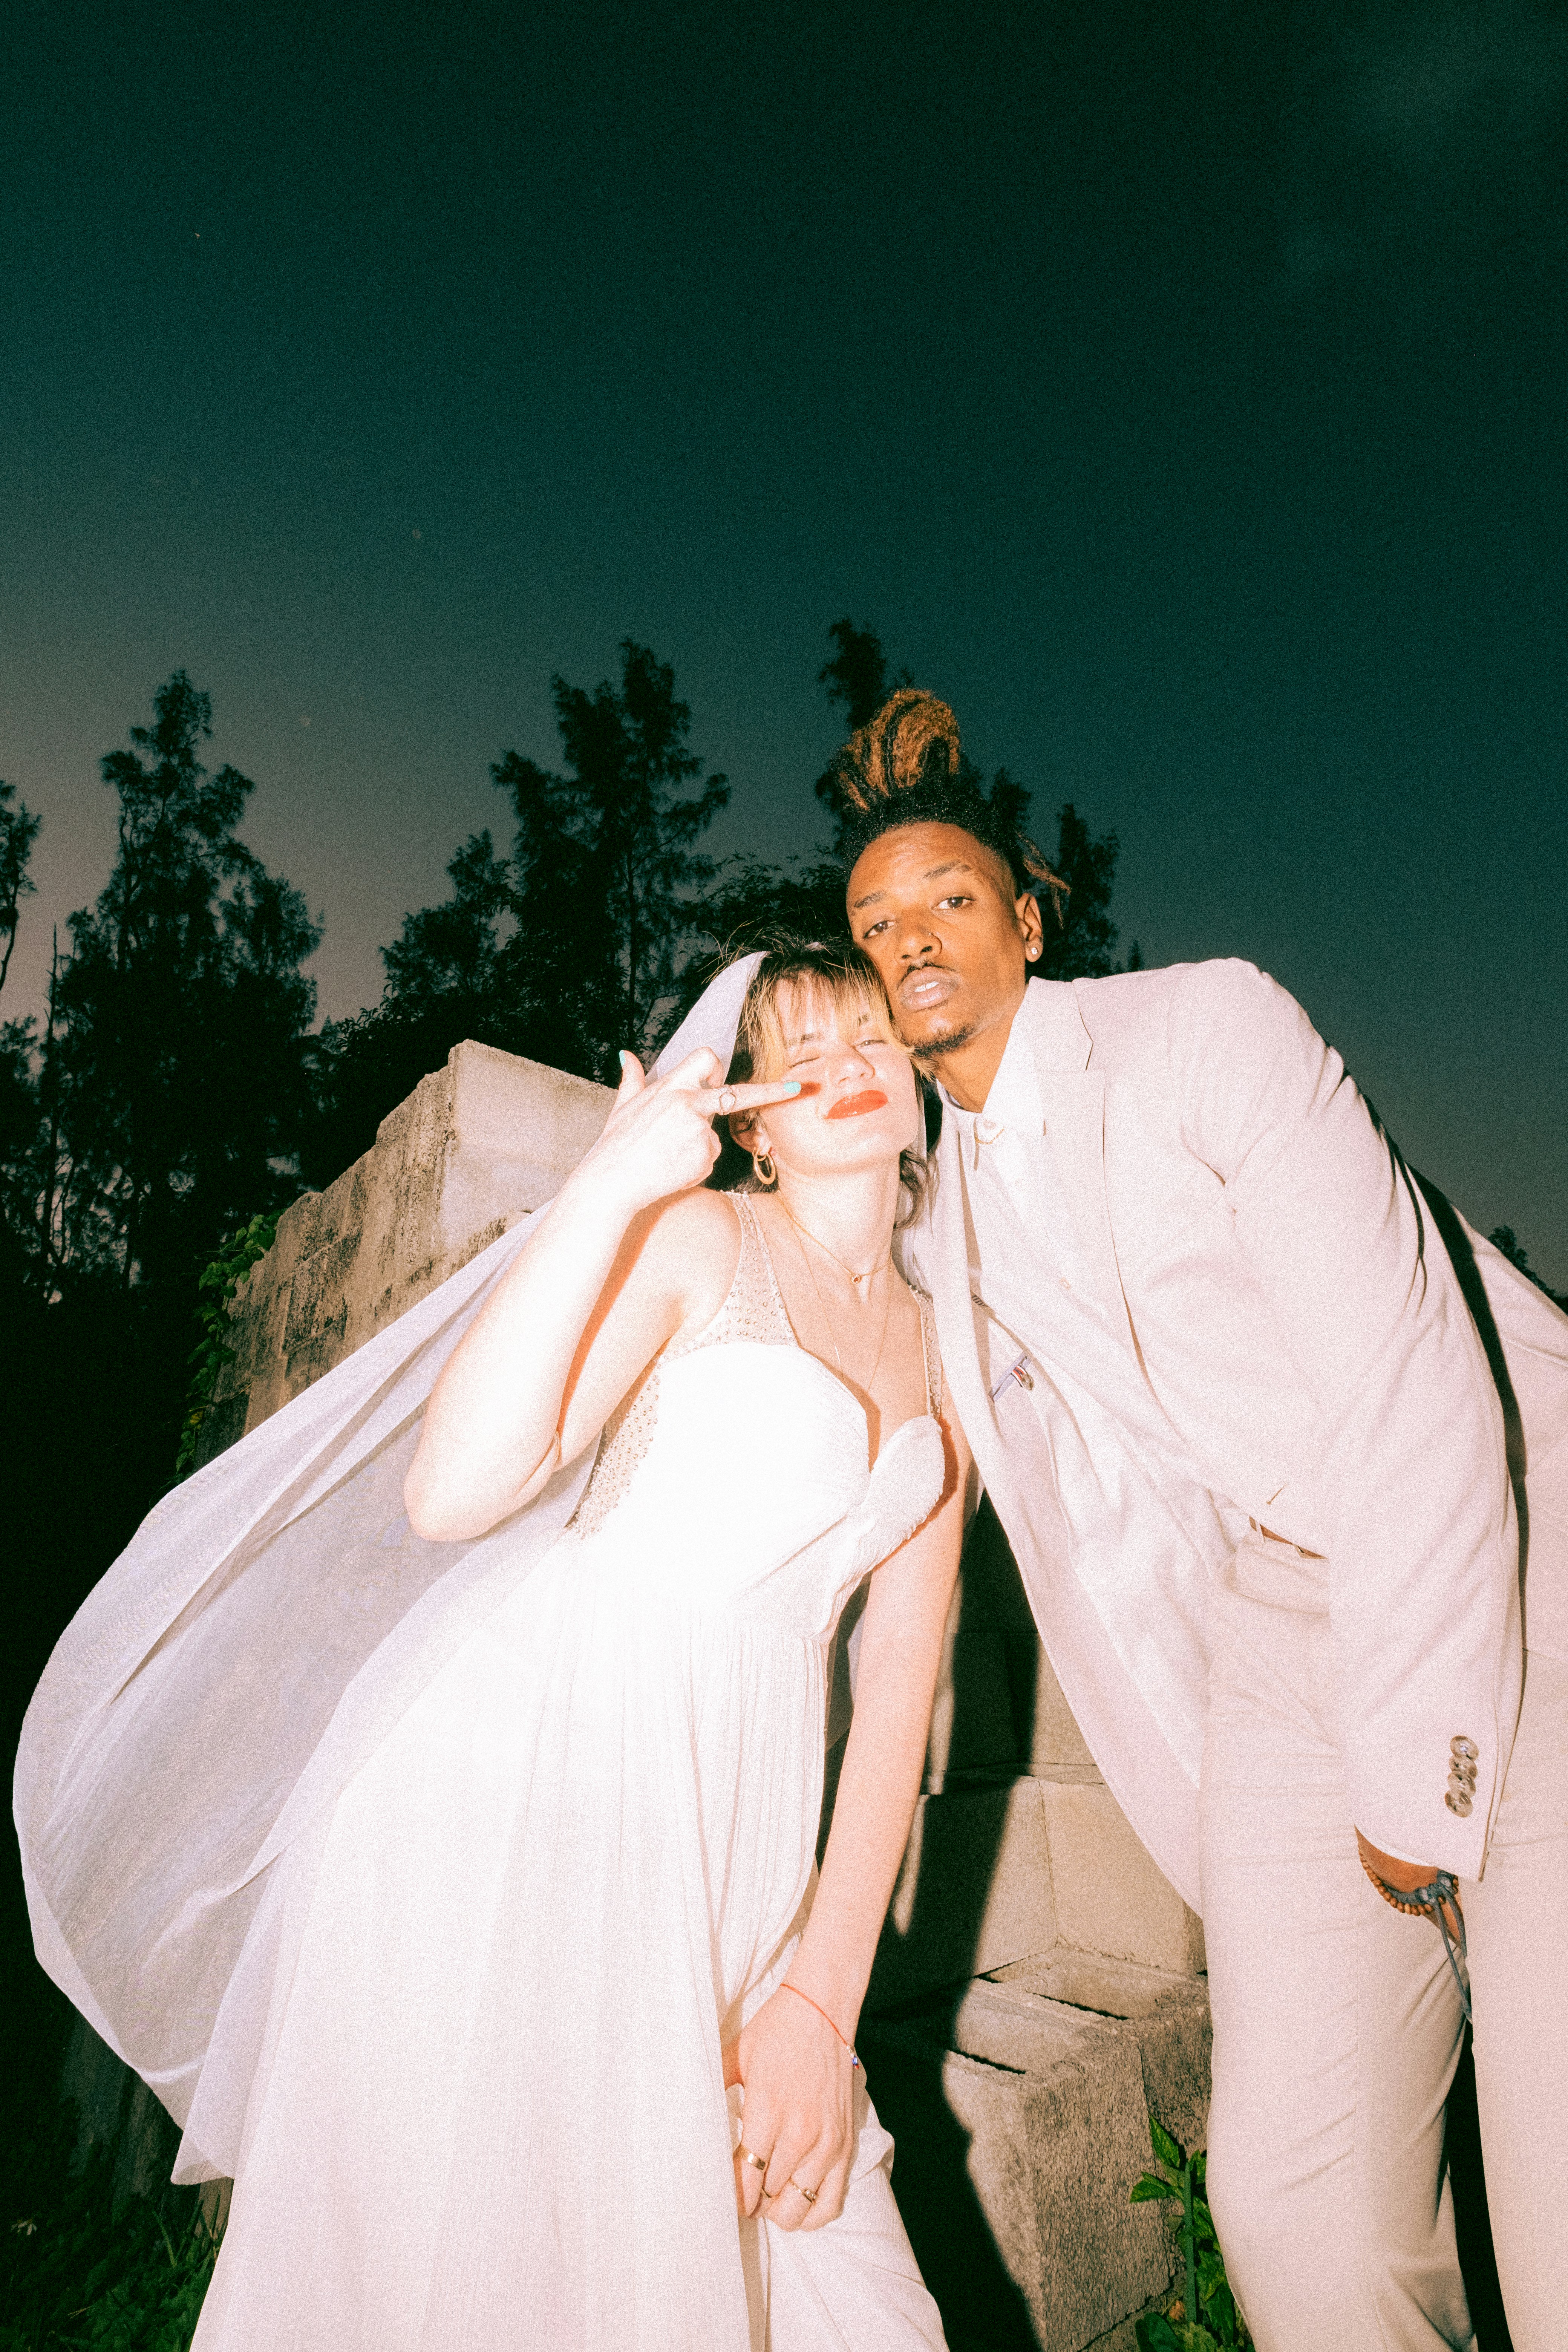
(582, 940)
(174, 1069)
(19, 830)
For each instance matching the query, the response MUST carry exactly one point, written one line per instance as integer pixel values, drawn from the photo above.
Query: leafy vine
(215, 1293)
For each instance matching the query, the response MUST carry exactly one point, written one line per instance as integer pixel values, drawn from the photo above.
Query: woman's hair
(905, 767)
(843, 977)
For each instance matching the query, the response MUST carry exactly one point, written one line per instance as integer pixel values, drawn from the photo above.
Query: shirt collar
(1012, 1106)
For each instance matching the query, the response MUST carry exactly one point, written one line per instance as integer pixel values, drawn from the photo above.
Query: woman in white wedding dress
(563, 2051)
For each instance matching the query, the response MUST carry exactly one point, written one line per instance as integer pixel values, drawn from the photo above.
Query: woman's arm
(610, 1274)
(796, 2071)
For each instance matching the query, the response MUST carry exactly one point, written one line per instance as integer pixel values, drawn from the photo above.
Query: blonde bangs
(832, 998)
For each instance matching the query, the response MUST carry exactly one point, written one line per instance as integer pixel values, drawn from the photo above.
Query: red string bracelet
(787, 1986)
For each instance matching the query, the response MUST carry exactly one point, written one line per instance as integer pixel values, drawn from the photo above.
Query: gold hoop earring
(767, 1174)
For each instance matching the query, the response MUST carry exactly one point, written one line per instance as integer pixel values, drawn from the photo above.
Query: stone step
(1019, 2104)
(1000, 1868)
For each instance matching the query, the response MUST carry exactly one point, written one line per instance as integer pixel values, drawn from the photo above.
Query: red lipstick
(856, 1105)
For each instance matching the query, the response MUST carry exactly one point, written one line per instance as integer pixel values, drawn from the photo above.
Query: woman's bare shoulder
(691, 1245)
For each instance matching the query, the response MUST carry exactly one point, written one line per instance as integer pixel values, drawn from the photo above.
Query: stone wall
(1037, 1986)
(474, 1148)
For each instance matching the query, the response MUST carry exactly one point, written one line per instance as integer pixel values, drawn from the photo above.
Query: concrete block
(1055, 1739)
(1166, 2015)
(475, 1146)
(1111, 1895)
(1020, 2126)
(974, 1892)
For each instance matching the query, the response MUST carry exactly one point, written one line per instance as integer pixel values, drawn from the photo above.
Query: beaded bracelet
(1433, 1901)
(787, 1986)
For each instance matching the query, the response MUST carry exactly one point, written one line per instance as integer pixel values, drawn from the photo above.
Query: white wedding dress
(486, 2110)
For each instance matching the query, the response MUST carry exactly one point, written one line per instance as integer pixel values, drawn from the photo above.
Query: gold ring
(810, 2195)
(750, 2157)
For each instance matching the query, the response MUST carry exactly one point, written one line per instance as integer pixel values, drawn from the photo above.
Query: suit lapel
(955, 1317)
(1073, 1099)
(950, 1275)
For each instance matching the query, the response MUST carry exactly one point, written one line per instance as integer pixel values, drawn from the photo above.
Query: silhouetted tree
(857, 679)
(156, 1105)
(578, 943)
(1504, 1238)
(1082, 945)
(618, 831)
(18, 832)
(171, 1086)
(18, 1087)
(752, 899)
(856, 675)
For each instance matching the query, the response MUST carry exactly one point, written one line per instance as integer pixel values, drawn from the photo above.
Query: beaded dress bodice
(752, 1309)
(786, 1416)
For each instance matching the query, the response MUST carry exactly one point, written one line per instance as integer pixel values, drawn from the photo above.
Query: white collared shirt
(1018, 1220)
(1030, 1270)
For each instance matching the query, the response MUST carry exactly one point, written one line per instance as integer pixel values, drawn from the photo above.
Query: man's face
(933, 909)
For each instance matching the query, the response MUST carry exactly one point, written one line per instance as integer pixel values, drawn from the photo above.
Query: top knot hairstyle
(905, 766)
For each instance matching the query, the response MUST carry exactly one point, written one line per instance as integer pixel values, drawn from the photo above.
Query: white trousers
(1337, 2026)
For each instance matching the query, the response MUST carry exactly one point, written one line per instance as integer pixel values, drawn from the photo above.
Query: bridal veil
(270, 1621)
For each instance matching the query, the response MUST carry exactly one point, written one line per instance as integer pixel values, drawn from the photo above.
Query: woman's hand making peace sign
(660, 1137)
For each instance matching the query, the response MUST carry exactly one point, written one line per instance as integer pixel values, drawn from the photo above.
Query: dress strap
(747, 1209)
(752, 1308)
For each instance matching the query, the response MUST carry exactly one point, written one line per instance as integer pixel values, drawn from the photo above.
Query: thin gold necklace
(855, 1279)
(822, 1309)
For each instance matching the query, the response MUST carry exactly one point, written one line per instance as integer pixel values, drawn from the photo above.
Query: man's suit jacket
(1272, 1284)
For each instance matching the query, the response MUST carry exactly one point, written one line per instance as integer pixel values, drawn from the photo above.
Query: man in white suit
(1265, 1424)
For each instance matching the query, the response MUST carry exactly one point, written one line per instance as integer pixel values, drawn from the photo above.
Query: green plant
(216, 1291)
(1207, 2319)
(154, 2303)
(82, 2270)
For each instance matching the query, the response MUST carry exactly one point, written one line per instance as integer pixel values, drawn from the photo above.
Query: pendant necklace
(822, 1309)
(855, 1279)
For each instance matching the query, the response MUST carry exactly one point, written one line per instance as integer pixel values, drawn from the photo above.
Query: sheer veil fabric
(267, 1627)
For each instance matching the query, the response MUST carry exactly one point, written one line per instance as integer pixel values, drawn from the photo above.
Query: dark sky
(1180, 391)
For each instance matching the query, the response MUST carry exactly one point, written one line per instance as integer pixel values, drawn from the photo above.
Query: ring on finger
(749, 2155)
(726, 1100)
(810, 2195)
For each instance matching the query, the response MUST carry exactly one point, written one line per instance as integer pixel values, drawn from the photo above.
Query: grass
(82, 2269)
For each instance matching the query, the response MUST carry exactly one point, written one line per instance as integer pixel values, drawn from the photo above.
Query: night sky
(1179, 390)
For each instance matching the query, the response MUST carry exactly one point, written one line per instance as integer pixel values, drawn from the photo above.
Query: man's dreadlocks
(905, 767)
